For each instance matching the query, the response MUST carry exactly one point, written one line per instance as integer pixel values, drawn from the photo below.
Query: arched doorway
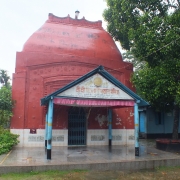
(76, 126)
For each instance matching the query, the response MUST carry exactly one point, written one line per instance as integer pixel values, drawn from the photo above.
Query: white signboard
(96, 87)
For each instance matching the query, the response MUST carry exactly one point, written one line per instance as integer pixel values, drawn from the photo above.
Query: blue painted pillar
(136, 129)
(46, 123)
(49, 128)
(110, 126)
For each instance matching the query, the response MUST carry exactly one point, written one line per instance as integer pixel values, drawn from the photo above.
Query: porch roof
(101, 71)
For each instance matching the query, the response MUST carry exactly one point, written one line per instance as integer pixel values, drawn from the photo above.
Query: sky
(19, 19)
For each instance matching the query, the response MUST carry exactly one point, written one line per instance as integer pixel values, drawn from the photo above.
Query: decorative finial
(76, 14)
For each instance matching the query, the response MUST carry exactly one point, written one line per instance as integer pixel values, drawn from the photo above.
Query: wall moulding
(67, 69)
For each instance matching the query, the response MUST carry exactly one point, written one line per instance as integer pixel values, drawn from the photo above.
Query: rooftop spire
(76, 14)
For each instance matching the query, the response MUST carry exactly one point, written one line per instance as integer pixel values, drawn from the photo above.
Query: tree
(6, 102)
(7, 139)
(4, 78)
(150, 31)
(125, 15)
(6, 105)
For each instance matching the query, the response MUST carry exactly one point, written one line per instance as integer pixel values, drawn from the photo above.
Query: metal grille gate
(76, 126)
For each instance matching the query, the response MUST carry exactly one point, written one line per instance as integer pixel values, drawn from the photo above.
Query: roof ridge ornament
(79, 22)
(101, 68)
(77, 14)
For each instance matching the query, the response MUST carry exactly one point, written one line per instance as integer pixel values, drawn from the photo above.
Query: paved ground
(92, 157)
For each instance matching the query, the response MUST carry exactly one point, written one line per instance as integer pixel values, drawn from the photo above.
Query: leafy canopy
(6, 102)
(8, 140)
(150, 31)
(6, 105)
(4, 78)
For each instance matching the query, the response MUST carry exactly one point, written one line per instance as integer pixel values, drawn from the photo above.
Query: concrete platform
(91, 158)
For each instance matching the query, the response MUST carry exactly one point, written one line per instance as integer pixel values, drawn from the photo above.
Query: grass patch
(170, 173)
(165, 168)
(46, 175)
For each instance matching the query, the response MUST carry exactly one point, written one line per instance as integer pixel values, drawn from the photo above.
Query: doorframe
(86, 126)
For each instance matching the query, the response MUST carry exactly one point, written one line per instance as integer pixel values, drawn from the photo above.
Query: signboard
(96, 87)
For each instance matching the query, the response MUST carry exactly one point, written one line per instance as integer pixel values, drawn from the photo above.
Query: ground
(170, 173)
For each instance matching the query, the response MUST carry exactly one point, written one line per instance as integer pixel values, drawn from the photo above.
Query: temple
(74, 68)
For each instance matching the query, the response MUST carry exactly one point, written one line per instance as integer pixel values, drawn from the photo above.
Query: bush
(7, 140)
(6, 105)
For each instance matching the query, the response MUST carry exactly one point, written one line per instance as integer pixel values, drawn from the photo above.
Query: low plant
(169, 173)
(47, 175)
(7, 140)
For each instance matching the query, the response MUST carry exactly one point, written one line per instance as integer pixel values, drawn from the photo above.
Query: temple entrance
(95, 89)
(76, 126)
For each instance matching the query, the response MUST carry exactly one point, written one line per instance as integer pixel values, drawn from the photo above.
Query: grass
(47, 175)
(169, 173)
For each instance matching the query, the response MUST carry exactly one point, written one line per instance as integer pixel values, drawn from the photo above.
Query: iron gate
(76, 126)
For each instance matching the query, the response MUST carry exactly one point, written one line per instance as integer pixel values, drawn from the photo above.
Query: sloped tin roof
(60, 93)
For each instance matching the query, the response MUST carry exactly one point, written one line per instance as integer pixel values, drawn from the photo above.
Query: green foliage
(159, 81)
(156, 40)
(155, 85)
(126, 15)
(8, 140)
(170, 173)
(50, 175)
(150, 32)
(151, 36)
(6, 105)
(6, 102)
(4, 78)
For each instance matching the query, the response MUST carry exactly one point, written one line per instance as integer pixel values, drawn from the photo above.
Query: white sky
(19, 19)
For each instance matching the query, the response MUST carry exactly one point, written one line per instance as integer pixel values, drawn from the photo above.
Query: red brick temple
(58, 53)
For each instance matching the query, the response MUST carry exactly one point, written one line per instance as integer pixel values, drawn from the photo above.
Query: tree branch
(172, 5)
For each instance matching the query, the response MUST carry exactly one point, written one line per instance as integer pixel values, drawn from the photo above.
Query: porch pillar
(110, 126)
(136, 129)
(45, 136)
(49, 128)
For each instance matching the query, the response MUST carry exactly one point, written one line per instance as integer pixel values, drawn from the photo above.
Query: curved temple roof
(77, 37)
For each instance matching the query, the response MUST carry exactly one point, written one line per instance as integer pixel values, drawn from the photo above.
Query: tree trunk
(176, 122)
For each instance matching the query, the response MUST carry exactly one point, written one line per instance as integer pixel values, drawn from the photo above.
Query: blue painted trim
(46, 130)
(100, 70)
(110, 123)
(136, 124)
(49, 126)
